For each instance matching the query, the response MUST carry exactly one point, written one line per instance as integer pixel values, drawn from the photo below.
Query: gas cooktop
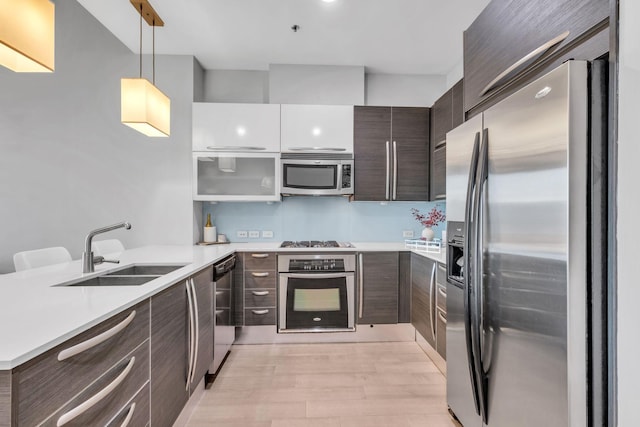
(315, 244)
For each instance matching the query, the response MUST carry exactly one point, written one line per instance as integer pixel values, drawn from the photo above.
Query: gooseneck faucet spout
(87, 255)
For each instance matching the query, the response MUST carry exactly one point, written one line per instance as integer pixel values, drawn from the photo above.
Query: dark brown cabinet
(404, 287)
(203, 303)
(259, 284)
(377, 288)
(512, 41)
(169, 354)
(391, 153)
(446, 114)
(423, 284)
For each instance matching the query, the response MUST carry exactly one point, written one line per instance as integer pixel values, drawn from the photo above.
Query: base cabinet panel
(422, 296)
(169, 364)
(378, 288)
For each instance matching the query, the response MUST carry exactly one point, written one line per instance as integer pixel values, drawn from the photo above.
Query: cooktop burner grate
(315, 244)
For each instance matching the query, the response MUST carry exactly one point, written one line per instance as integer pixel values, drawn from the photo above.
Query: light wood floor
(325, 385)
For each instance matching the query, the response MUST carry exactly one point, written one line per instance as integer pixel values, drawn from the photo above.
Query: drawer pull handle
(524, 60)
(127, 420)
(220, 292)
(442, 317)
(442, 292)
(260, 274)
(98, 339)
(219, 312)
(260, 312)
(260, 255)
(260, 293)
(232, 148)
(96, 398)
(440, 197)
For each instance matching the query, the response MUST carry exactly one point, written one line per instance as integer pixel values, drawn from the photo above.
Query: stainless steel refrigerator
(524, 185)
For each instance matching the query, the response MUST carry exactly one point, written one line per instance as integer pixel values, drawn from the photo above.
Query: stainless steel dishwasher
(223, 319)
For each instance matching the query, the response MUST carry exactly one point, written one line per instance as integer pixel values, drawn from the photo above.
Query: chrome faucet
(87, 256)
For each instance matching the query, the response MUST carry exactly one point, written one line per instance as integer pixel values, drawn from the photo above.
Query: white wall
(236, 86)
(316, 84)
(68, 165)
(628, 340)
(403, 89)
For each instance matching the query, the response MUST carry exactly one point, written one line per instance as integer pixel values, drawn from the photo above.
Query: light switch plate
(407, 233)
(241, 234)
(253, 234)
(267, 234)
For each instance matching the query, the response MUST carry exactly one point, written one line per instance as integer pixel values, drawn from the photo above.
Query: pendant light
(143, 106)
(27, 35)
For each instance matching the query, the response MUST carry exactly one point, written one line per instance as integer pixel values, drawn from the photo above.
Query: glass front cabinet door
(241, 177)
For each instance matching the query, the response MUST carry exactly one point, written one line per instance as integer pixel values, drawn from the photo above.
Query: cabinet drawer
(138, 415)
(441, 333)
(260, 298)
(128, 376)
(259, 316)
(441, 297)
(259, 261)
(45, 383)
(260, 279)
(441, 274)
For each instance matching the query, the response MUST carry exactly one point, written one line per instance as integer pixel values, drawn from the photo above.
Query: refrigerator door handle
(468, 271)
(481, 179)
(432, 303)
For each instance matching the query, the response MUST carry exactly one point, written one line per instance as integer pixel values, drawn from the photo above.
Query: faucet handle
(100, 259)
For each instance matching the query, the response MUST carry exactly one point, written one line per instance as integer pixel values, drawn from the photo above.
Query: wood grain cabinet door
(372, 153)
(507, 31)
(169, 354)
(410, 153)
(203, 286)
(378, 274)
(422, 296)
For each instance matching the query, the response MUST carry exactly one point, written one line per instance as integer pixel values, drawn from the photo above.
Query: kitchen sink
(132, 275)
(145, 270)
(114, 281)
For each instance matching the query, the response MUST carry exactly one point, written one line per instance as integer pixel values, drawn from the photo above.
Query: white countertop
(36, 315)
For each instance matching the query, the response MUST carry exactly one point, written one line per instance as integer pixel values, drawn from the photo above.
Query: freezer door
(459, 390)
(459, 148)
(533, 211)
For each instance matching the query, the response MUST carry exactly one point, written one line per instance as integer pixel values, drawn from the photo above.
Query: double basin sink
(133, 275)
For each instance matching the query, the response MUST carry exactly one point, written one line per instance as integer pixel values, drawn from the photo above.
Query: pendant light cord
(140, 40)
(153, 44)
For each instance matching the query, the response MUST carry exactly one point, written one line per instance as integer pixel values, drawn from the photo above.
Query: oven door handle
(315, 276)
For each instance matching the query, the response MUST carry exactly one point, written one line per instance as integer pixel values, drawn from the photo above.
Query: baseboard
(191, 405)
(400, 332)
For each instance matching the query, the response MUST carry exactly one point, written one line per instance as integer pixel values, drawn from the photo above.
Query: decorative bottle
(210, 234)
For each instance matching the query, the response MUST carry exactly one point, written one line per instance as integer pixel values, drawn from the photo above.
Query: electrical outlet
(241, 234)
(253, 234)
(407, 233)
(267, 234)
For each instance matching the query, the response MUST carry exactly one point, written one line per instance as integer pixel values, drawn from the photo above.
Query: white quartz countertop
(36, 315)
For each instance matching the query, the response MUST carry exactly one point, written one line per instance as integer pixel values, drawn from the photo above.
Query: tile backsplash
(320, 218)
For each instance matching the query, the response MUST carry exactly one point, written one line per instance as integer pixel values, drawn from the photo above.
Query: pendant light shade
(145, 108)
(27, 35)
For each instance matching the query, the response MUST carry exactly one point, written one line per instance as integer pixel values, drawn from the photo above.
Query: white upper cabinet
(317, 128)
(236, 127)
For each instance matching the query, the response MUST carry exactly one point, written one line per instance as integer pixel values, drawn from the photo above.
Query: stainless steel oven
(316, 292)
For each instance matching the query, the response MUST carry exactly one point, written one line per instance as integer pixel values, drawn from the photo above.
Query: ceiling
(385, 36)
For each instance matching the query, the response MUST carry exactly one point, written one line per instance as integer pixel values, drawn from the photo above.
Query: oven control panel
(329, 265)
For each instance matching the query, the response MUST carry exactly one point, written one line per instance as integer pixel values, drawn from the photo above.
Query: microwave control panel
(346, 176)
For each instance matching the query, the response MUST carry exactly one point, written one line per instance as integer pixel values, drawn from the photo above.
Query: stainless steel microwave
(312, 176)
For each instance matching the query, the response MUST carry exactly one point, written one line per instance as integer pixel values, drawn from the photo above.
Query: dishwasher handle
(223, 268)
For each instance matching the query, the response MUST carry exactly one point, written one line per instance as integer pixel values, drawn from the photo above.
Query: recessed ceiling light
(328, 1)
